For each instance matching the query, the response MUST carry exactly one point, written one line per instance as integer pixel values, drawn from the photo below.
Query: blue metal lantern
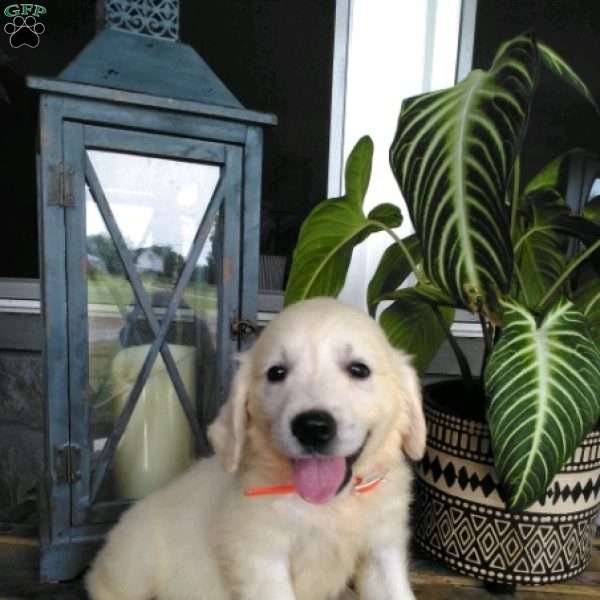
(149, 187)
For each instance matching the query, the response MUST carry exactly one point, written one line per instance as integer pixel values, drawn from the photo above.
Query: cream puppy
(310, 486)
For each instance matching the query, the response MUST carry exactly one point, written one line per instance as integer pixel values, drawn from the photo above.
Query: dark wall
(69, 25)
(276, 56)
(21, 425)
(560, 118)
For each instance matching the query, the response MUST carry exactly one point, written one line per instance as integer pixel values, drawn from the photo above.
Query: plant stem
(463, 364)
(523, 289)
(514, 205)
(567, 272)
(405, 251)
(591, 303)
(486, 333)
(488, 339)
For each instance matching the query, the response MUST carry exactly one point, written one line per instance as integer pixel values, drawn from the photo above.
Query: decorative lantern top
(139, 53)
(156, 18)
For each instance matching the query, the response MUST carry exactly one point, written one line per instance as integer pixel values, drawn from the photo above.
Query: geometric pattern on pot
(466, 479)
(471, 440)
(502, 547)
(479, 482)
(571, 488)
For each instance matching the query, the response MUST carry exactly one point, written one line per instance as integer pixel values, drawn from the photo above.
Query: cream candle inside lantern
(157, 444)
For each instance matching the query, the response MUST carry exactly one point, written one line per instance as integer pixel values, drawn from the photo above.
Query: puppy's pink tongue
(318, 479)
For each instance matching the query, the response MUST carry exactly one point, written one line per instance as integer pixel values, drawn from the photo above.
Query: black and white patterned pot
(460, 516)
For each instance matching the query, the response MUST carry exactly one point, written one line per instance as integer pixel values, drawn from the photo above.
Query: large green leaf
(587, 231)
(393, 269)
(553, 175)
(452, 156)
(427, 292)
(331, 231)
(559, 67)
(324, 250)
(591, 211)
(587, 300)
(411, 325)
(540, 248)
(543, 383)
(357, 174)
(584, 229)
(387, 213)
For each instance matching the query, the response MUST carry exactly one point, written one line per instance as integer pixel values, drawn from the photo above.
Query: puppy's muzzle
(314, 429)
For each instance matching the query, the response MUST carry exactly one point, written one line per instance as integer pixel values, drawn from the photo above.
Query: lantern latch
(67, 463)
(243, 328)
(61, 186)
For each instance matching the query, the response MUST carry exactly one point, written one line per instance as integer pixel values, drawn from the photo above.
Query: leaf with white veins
(542, 381)
(559, 67)
(452, 157)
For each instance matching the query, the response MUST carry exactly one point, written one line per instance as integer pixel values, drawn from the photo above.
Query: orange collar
(360, 487)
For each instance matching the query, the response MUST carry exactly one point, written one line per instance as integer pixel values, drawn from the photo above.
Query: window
(401, 49)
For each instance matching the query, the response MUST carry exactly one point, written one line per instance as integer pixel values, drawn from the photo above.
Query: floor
(18, 563)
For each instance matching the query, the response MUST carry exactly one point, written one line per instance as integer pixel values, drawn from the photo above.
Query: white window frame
(20, 295)
(367, 255)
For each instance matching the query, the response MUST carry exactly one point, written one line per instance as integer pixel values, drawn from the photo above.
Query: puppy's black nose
(314, 429)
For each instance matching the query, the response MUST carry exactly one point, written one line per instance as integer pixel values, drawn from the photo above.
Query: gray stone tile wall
(21, 425)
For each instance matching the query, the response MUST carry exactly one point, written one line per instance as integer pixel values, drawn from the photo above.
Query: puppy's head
(329, 395)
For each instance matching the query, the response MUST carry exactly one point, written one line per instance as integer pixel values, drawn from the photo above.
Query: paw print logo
(24, 31)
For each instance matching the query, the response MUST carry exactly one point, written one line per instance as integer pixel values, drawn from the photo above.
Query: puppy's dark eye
(276, 373)
(358, 370)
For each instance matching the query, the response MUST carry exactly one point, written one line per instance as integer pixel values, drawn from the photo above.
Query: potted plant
(510, 484)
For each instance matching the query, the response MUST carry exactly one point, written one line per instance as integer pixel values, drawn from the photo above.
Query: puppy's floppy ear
(228, 431)
(414, 435)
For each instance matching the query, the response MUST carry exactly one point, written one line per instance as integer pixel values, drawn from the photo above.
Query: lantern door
(153, 254)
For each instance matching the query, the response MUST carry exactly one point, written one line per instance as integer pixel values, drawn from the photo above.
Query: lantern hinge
(243, 328)
(61, 186)
(67, 463)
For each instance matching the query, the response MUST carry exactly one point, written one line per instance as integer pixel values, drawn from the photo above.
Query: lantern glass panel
(111, 304)
(157, 205)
